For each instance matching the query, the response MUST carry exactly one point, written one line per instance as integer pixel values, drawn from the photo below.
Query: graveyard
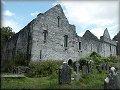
(86, 73)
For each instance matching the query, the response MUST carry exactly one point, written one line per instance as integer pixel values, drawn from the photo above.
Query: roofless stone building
(50, 36)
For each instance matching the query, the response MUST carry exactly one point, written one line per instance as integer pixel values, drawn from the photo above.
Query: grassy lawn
(93, 81)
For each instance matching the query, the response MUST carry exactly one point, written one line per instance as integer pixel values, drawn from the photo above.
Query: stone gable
(50, 36)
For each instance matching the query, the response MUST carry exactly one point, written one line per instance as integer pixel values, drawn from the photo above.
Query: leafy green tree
(6, 33)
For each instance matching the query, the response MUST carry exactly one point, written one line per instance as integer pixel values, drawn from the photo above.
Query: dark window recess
(79, 45)
(45, 35)
(86, 47)
(110, 48)
(58, 20)
(91, 46)
(40, 54)
(65, 40)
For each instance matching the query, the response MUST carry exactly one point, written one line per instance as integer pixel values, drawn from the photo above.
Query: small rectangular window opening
(65, 40)
(79, 45)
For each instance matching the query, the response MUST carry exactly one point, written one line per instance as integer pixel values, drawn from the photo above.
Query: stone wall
(44, 39)
(20, 43)
(53, 47)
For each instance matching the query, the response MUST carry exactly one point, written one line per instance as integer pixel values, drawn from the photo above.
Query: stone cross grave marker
(77, 75)
(84, 71)
(64, 74)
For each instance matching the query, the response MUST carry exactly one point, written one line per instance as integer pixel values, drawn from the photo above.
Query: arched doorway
(70, 62)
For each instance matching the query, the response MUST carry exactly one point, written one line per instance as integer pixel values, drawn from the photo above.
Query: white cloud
(3, 2)
(34, 14)
(11, 23)
(113, 30)
(8, 13)
(81, 34)
(101, 14)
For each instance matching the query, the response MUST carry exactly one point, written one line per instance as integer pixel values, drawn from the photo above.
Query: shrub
(113, 59)
(83, 61)
(43, 68)
(19, 59)
(95, 54)
(96, 58)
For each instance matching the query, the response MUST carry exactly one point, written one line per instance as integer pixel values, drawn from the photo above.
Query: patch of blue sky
(23, 9)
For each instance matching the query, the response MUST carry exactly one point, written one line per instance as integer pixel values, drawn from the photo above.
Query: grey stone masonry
(50, 37)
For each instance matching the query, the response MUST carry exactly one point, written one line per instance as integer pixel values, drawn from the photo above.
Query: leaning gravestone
(64, 74)
(84, 71)
(77, 75)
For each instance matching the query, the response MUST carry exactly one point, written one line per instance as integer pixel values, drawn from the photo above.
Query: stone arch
(70, 62)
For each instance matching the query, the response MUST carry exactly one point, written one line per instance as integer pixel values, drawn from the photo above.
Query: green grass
(93, 81)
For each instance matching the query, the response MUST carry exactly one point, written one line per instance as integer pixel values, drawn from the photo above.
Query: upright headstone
(103, 66)
(84, 71)
(99, 68)
(64, 74)
(112, 80)
(77, 75)
(90, 66)
(107, 66)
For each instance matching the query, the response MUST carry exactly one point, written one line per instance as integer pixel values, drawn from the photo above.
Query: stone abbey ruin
(50, 37)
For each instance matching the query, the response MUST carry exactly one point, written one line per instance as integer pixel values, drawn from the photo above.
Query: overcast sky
(95, 16)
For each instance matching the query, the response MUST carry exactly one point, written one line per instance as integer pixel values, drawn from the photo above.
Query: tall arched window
(45, 35)
(58, 20)
(40, 54)
(65, 40)
(79, 45)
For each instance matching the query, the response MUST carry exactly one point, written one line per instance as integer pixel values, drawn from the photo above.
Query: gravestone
(77, 75)
(64, 74)
(107, 67)
(22, 69)
(84, 71)
(99, 68)
(90, 66)
(103, 66)
(112, 81)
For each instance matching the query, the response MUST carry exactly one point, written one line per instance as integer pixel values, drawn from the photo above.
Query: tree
(6, 33)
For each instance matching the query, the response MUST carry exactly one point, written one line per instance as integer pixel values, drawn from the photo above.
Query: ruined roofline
(32, 21)
(90, 35)
(106, 34)
(56, 6)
